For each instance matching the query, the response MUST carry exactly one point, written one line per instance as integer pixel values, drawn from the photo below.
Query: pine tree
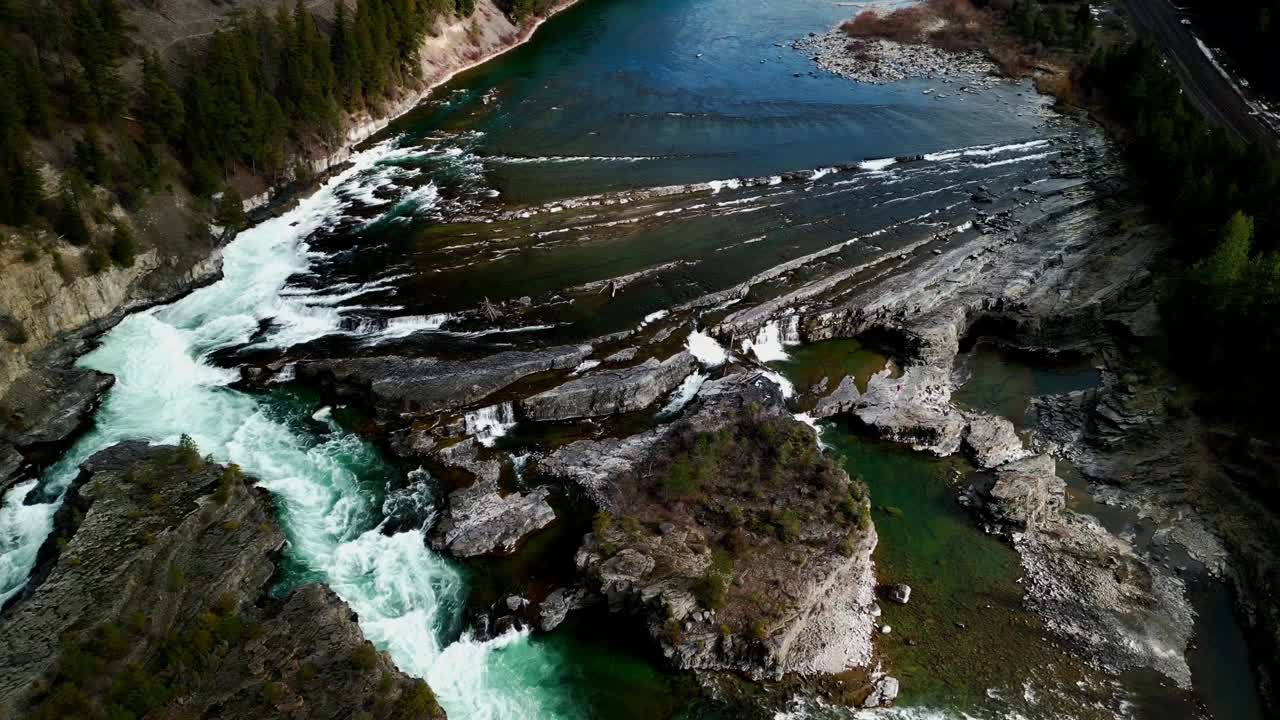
(34, 91)
(92, 159)
(96, 259)
(123, 247)
(19, 184)
(230, 215)
(273, 128)
(115, 31)
(98, 50)
(343, 51)
(70, 221)
(162, 110)
(1083, 26)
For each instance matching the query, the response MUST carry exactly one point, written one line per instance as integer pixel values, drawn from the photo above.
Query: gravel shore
(884, 61)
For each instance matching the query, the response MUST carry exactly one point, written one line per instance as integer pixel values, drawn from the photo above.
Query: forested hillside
(1218, 195)
(131, 131)
(82, 91)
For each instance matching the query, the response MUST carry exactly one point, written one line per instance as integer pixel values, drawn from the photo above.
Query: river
(661, 151)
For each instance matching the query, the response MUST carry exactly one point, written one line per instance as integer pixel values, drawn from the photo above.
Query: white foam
(398, 327)
(809, 420)
(705, 348)
(767, 344)
(784, 385)
(985, 150)
(653, 317)
(877, 165)
(683, 394)
(1019, 159)
(718, 185)
(506, 159)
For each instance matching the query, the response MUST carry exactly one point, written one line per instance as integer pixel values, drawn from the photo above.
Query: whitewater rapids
(408, 598)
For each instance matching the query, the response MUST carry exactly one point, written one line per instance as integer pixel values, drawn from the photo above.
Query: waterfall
(791, 330)
(488, 424)
(767, 345)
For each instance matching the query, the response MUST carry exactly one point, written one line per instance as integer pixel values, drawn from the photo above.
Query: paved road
(1205, 87)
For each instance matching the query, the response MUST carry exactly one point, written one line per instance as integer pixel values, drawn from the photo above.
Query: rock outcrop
(559, 603)
(160, 565)
(395, 385)
(914, 409)
(54, 406)
(611, 392)
(47, 307)
(479, 519)
(992, 441)
(11, 462)
(1024, 495)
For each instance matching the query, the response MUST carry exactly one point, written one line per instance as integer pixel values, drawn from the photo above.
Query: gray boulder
(557, 606)
(992, 441)
(900, 593)
(479, 519)
(883, 693)
(1026, 494)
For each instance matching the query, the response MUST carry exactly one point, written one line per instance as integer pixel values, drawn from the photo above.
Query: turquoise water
(965, 641)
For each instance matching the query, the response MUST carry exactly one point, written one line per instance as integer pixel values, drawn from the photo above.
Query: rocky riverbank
(877, 61)
(1202, 484)
(152, 597)
(1051, 271)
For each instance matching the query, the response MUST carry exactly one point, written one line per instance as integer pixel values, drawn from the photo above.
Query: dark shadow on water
(1002, 381)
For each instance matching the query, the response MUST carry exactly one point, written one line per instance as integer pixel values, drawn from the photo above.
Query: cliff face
(457, 45)
(152, 595)
(37, 298)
